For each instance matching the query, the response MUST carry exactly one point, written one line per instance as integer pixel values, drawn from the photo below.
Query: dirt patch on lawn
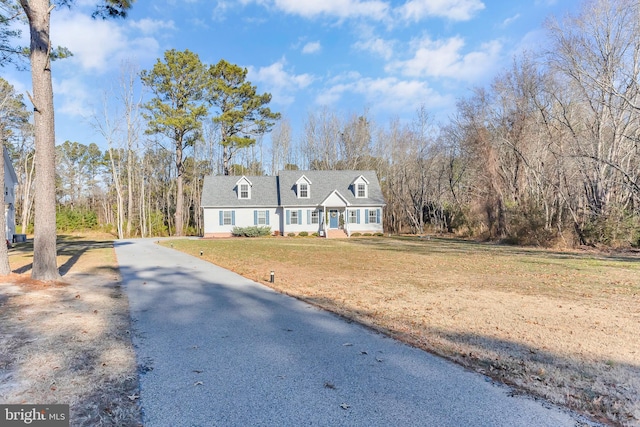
(69, 342)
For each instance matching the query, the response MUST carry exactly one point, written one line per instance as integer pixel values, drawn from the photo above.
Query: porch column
(324, 221)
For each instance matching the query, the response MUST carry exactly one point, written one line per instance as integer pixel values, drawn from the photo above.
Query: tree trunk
(225, 160)
(129, 187)
(179, 207)
(44, 243)
(5, 269)
(119, 201)
(179, 193)
(142, 211)
(167, 194)
(26, 194)
(143, 217)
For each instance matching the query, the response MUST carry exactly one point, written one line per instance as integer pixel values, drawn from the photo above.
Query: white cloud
(377, 46)
(444, 58)
(280, 83)
(390, 94)
(92, 42)
(220, 11)
(369, 42)
(73, 98)
(100, 45)
(312, 47)
(199, 23)
(510, 20)
(151, 26)
(456, 10)
(142, 49)
(414, 10)
(339, 8)
(177, 2)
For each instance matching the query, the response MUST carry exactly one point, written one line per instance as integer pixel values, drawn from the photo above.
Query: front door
(333, 218)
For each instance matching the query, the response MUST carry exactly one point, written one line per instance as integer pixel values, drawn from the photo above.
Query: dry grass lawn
(561, 325)
(69, 342)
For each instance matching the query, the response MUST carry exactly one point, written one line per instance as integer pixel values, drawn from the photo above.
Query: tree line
(546, 154)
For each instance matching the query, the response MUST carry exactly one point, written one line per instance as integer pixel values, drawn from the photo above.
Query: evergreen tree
(38, 14)
(243, 112)
(177, 109)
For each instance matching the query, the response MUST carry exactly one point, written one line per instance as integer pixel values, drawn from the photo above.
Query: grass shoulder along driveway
(560, 325)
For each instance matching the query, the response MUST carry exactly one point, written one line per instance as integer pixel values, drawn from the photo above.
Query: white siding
(363, 226)
(305, 220)
(334, 201)
(243, 217)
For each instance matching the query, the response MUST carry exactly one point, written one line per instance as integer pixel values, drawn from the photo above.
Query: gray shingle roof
(221, 190)
(324, 183)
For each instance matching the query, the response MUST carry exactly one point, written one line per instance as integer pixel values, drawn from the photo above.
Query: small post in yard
(200, 253)
(273, 276)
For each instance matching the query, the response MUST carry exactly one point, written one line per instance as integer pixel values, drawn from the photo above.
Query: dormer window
(360, 187)
(303, 190)
(303, 187)
(243, 187)
(244, 191)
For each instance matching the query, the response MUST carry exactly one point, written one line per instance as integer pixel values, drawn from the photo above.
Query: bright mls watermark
(34, 415)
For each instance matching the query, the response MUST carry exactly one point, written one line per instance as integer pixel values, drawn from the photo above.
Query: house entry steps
(336, 234)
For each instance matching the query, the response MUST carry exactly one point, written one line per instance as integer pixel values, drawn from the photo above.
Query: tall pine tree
(243, 112)
(177, 109)
(38, 14)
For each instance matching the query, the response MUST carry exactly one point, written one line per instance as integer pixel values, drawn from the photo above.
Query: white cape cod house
(330, 203)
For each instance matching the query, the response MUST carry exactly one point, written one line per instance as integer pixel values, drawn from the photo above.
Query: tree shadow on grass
(75, 250)
(604, 389)
(70, 246)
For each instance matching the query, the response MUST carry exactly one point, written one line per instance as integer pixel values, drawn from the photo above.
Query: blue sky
(386, 56)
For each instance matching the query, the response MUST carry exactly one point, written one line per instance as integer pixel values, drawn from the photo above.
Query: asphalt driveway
(216, 349)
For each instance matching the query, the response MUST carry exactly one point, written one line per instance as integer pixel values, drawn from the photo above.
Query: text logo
(34, 415)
